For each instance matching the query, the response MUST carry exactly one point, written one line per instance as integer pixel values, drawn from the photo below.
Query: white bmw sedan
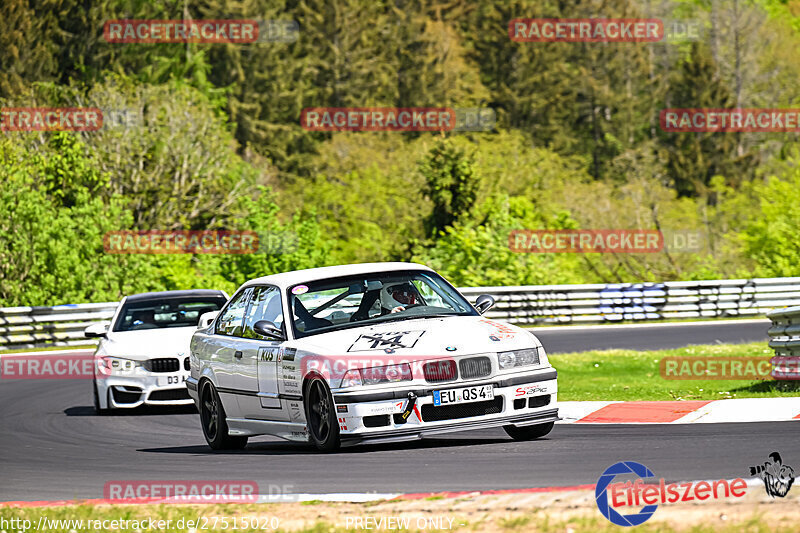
(379, 352)
(142, 358)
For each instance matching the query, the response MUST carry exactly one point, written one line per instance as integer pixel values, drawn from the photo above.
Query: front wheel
(98, 410)
(212, 418)
(323, 428)
(529, 432)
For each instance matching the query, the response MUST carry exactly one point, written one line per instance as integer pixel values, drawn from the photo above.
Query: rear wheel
(323, 428)
(212, 418)
(529, 432)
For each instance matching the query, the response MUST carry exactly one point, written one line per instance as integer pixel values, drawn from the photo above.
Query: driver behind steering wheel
(399, 297)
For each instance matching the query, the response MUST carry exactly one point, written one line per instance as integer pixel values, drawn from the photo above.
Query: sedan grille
(166, 364)
(433, 413)
(169, 395)
(439, 371)
(475, 367)
(186, 365)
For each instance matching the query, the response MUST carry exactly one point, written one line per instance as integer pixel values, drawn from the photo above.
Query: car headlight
(377, 375)
(516, 358)
(117, 365)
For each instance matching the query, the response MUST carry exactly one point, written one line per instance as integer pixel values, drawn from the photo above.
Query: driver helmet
(399, 294)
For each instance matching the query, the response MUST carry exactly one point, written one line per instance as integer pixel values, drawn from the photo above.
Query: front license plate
(176, 379)
(464, 395)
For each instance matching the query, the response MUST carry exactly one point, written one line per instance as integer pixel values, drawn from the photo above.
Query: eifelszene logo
(777, 477)
(651, 494)
(601, 496)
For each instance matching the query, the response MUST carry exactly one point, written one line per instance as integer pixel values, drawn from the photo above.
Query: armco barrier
(785, 340)
(62, 325)
(23, 327)
(603, 303)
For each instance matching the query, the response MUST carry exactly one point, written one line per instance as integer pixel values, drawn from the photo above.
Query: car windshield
(332, 304)
(165, 312)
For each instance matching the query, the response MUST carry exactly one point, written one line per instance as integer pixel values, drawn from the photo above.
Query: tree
(693, 159)
(451, 183)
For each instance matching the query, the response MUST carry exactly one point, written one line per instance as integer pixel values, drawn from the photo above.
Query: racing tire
(529, 432)
(212, 418)
(323, 427)
(97, 409)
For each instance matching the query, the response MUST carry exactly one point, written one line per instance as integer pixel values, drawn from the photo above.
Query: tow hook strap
(412, 401)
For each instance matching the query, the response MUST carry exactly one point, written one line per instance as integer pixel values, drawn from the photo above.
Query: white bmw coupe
(142, 357)
(379, 352)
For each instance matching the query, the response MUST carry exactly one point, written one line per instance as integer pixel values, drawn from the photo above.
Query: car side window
(231, 319)
(265, 305)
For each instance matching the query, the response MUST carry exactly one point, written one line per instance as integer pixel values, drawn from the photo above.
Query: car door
(257, 377)
(225, 350)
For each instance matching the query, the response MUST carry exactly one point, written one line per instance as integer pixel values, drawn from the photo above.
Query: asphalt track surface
(651, 336)
(52, 447)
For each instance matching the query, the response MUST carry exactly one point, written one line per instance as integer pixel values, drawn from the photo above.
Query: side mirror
(484, 303)
(96, 330)
(206, 319)
(267, 329)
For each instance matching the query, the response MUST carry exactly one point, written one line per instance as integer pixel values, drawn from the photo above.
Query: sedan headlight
(117, 365)
(377, 375)
(517, 358)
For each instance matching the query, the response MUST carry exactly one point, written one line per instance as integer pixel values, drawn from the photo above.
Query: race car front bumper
(127, 392)
(408, 414)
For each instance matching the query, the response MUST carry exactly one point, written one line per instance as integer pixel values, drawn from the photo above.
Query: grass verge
(632, 375)
(562, 512)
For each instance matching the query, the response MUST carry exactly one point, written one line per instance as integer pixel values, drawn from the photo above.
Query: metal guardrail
(24, 327)
(785, 340)
(62, 325)
(603, 303)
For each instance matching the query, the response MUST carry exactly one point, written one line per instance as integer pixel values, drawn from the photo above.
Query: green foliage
(450, 183)
(168, 149)
(52, 252)
(471, 254)
(771, 237)
(67, 172)
(207, 136)
(693, 159)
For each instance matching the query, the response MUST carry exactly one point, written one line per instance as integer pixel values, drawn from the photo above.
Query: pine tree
(693, 159)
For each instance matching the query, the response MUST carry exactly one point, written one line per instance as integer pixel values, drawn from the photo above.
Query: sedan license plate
(176, 379)
(463, 395)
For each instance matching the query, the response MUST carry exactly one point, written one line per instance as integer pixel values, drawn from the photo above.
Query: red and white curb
(345, 497)
(681, 412)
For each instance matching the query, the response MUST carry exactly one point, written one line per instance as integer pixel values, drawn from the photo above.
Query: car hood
(148, 343)
(446, 336)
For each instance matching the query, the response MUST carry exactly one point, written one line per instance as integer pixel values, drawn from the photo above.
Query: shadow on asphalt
(146, 410)
(770, 386)
(291, 448)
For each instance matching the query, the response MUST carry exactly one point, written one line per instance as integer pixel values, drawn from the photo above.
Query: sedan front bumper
(519, 400)
(152, 389)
